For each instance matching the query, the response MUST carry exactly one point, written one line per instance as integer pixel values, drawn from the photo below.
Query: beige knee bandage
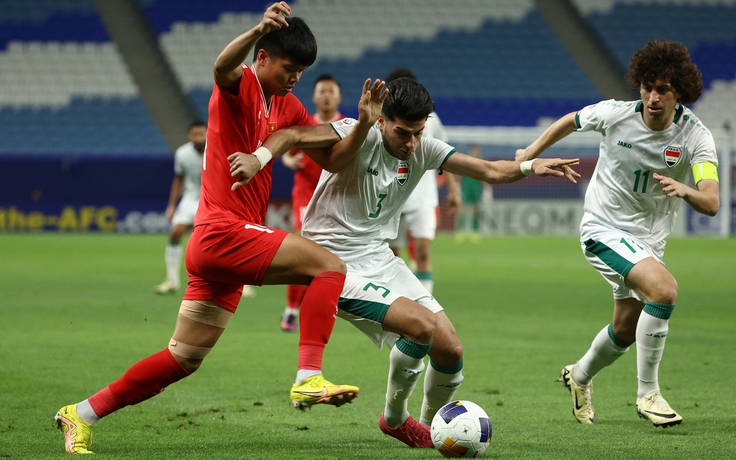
(187, 351)
(205, 312)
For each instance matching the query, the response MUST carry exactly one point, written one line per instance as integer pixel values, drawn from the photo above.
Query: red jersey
(306, 178)
(241, 123)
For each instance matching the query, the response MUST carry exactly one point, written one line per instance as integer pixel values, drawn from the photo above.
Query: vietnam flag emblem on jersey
(403, 172)
(271, 127)
(672, 156)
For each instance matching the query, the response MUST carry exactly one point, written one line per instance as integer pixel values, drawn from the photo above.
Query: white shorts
(185, 211)
(421, 223)
(613, 253)
(372, 284)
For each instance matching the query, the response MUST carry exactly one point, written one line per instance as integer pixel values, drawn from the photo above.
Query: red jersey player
(230, 246)
(327, 98)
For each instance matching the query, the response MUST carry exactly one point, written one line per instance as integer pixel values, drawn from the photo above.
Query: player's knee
(451, 354)
(425, 328)
(335, 264)
(188, 356)
(665, 293)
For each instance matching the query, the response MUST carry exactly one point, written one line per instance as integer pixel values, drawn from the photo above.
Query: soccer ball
(461, 429)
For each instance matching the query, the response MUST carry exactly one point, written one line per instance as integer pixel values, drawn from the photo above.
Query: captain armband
(706, 170)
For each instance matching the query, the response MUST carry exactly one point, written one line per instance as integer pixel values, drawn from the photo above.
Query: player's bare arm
(504, 171)
(557, 131)
(228, 68)
(342, 153)
(705, 200)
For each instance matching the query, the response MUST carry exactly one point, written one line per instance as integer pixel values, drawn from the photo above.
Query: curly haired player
(651, 150)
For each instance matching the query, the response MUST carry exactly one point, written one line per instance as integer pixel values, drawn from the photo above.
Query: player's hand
(293, 161)
(556, 167)
(243, 166)
(273, 18)
(521, 155)
(371, 101)
(671, 187)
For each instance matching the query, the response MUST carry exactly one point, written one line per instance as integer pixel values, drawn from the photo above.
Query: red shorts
(221, 257)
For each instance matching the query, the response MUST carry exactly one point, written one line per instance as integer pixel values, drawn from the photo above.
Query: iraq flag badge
(403, 173)
(672, 156)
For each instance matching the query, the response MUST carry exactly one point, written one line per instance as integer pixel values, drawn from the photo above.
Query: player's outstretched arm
(558, 130)
(227, 66)
(504, 172)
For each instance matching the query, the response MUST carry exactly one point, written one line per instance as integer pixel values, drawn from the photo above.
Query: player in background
(229, 245)
(651, 150)
(419, 216)
(327, 98)
(186, 184)
(355, 210)
(473, 192)
(187, 178)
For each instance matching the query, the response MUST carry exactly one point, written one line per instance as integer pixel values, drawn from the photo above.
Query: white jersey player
(186, 185)
(356, 207)
(419, 216)
(651, 151)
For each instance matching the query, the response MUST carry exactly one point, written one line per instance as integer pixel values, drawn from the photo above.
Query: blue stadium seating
(707, 30)
(505, 72)
(104, 120)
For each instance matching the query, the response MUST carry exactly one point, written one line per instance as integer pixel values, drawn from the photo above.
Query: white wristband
(264, 156)
(526, 167)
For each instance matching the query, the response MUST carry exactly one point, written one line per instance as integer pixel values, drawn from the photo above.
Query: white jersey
(352, 213)
(623, 193)
(188, 163)
(425, 196)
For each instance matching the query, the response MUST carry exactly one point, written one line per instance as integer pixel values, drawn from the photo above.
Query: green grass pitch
(78, 310)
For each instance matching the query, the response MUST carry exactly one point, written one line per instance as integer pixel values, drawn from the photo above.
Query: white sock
(604, 351)
(439, 389)
(173, 263)
(403, 374)
(84, 410)
(302, 374)
(290, 311)
(651, 334)
(426, 279)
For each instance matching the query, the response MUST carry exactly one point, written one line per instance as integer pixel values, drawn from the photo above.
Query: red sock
(145, 379)
(295, 295)
(410, 248)
(317, 318)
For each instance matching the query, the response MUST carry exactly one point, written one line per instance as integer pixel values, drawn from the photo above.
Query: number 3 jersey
(623, 193)
(353, 212)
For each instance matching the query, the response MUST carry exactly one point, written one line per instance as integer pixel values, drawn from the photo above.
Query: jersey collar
(678, 111)
(266, 106)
